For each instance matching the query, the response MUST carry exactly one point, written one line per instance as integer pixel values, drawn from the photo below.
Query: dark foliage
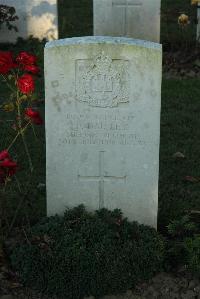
(84, 254)
(178, 231)
(192, 246)
(183, 245)
(7, 15)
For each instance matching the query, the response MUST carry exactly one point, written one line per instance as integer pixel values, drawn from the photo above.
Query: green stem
(9, 86)
(16, 214)
(27, 152)
(36, 138)
(22, 134)
(19, 133)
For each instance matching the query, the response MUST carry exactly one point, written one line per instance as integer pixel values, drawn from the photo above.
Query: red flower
(26, 58)
(4, 155)
(7, 166)
(34, 116)
(26, 84)
(32, 69)
(6, 62)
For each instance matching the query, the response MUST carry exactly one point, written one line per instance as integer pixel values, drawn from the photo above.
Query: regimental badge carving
(102, 82)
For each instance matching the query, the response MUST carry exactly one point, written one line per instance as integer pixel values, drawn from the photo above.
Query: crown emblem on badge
(102, 82)
(102, 62)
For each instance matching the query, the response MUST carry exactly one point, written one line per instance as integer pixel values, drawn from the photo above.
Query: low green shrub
(183, 245)
(178, 230)
(83, 254)
(192, 246)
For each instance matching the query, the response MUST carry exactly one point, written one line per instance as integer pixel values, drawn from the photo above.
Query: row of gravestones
(102, 111)
(132, 18)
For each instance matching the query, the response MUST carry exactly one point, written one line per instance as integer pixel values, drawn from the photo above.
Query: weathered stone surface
(131, 18)
(198, 23)
(102, 125)
(36, 17)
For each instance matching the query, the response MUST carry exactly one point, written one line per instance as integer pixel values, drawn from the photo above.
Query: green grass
(171, 34)
(75, 18)
(179, 133)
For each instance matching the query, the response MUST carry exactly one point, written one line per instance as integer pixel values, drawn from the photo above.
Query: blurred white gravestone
(132, 18)
(102, 125)
(198, 22)
(36, 17)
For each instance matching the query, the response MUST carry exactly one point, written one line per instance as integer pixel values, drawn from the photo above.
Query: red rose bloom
(26, 84)
(4, 155)
(34, 116)
(32, 69)
(7, 166)
(26, 58)
(6, 62)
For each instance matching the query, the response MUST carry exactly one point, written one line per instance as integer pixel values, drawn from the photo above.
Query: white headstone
(198, 22)
(132, 18)
(36, 17)
(102, 125)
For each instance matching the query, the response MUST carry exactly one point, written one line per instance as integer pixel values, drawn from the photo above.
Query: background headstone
(132, 18)
(198, 22)
(36, 17)
(102, 125)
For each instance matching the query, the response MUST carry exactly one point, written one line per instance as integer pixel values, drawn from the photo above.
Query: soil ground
(163, 286)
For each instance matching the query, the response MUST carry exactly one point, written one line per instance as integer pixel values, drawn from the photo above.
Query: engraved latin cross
(101, 178)
(126, 4)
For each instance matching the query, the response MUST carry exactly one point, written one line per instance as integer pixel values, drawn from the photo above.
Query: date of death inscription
(100, 129)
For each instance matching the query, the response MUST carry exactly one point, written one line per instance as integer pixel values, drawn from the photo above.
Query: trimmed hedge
(192, 246)
(183, 244)
(83, 254)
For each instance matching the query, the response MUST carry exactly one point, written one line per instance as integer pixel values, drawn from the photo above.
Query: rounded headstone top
(102, 40)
